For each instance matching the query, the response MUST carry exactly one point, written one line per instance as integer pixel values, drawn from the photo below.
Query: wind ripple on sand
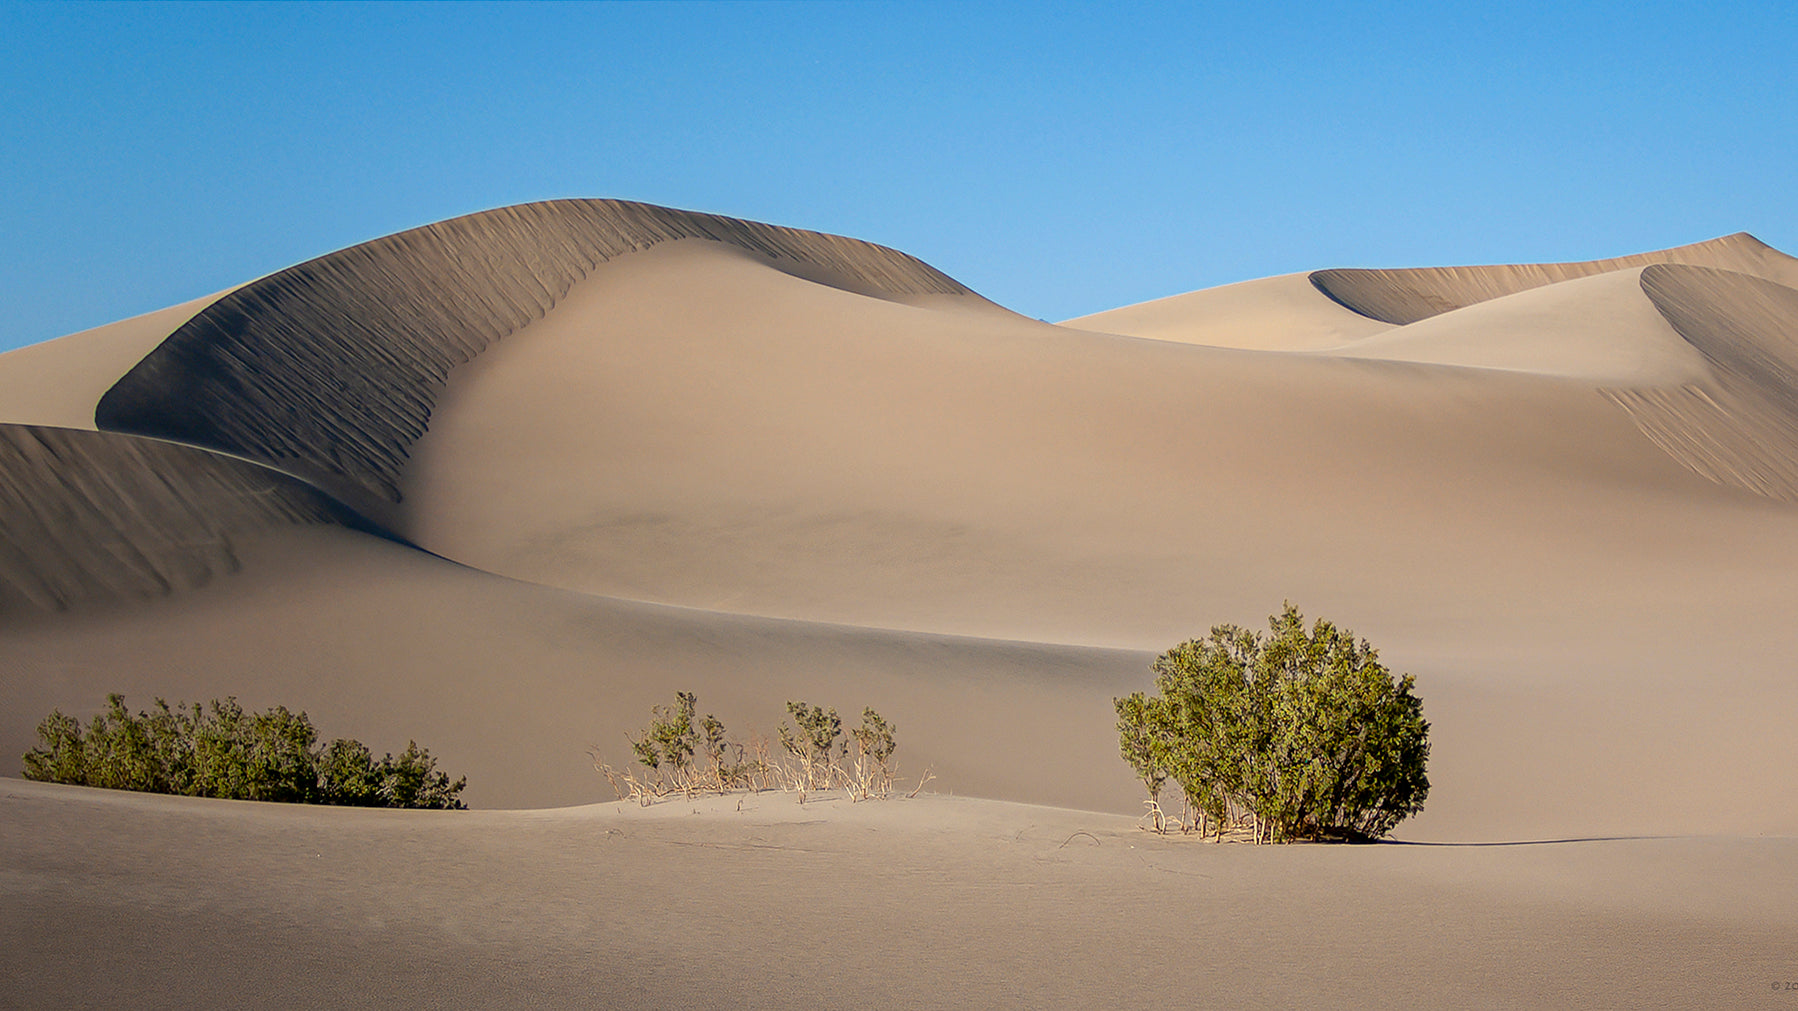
(1741, 428)
(1404, 296)
(93, 516)
(329, 370)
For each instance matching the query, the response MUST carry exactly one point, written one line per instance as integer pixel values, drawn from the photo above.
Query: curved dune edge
(1741, 427)
(93, 516)
(1407, 295)
(58, 382)
(329, 369)
(1601, 329)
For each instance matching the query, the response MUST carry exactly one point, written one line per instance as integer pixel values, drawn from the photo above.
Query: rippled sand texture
(91, 516)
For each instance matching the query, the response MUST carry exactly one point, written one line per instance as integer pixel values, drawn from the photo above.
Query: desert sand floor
(933, 902)
(503, 483)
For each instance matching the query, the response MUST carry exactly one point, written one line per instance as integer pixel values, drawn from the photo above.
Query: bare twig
(927, 777)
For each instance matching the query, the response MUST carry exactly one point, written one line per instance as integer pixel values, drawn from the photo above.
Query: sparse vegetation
(681, 753)
(1296, 734)
(223, 751)
(814, 744)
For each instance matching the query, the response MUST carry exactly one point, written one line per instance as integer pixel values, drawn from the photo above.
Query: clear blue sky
(1059, 158)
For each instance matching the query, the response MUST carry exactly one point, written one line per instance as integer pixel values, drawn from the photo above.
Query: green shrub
(671, 746)
(222, 751)
(1299, 734)
(872, 773)
(814, 743)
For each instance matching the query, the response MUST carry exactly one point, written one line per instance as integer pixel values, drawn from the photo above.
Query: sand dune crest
(329, 369)
(1600, 328)
(1406, 295)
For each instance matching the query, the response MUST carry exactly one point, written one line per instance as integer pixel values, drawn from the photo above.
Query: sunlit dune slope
(752, 442)
(1285, 313)
(1602, 329)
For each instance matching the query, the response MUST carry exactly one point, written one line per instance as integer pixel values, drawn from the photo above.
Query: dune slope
(1740, 425)
(1406, 295)
(329, 369)
(93, 517)
(1285, 313)
(932, 902)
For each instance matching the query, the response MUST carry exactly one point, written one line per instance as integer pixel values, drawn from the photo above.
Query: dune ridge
(329, 369)
(1601, 329)
(1401, 296)
(1740, 427)
(1283, 313)
(93, 516)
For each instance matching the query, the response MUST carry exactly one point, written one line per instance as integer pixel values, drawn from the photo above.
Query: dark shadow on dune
(97, 516)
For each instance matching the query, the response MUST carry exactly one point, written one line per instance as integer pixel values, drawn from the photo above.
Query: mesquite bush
(1297, 734)
(223, 751)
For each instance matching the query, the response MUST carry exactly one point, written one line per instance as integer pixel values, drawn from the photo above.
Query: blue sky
(1059, 158)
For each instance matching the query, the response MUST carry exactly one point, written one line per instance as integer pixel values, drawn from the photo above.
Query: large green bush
(1299, 734)
(223, 751)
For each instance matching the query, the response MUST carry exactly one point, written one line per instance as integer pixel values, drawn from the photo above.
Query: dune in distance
(502, 483)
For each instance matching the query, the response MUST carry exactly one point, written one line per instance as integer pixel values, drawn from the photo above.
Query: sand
(501, 484)
(931, 902)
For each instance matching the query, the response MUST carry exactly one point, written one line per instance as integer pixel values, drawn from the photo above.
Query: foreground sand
(502, 484)
(933, 902)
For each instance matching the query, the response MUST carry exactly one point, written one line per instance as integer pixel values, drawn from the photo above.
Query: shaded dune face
(329, 370)
(1406, 295)
(1741, 427)
(93, 516)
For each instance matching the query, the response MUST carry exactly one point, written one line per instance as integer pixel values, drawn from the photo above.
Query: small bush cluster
(682, 752)
(1298, 734)
(223, 751)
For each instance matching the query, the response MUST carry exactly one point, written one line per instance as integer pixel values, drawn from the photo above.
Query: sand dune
(1741, 426)
(1602, 329)
(58, 382)
(1285, 313)
(503, 483)
(329, 369)
(1407, 295)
